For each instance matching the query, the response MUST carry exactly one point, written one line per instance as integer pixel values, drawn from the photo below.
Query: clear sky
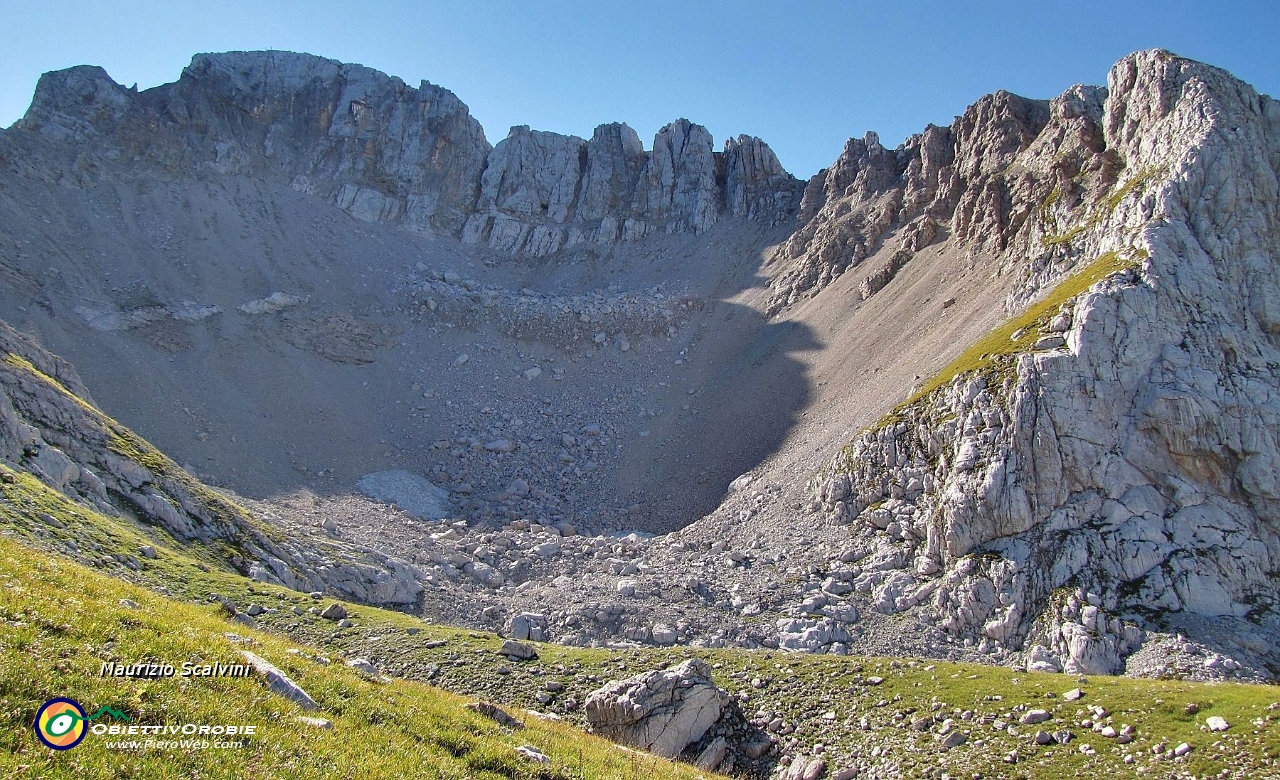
(804, 75)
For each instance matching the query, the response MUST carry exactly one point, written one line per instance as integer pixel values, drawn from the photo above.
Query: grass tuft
(996, 349)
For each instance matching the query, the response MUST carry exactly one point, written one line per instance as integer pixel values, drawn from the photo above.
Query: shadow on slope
(140, 282)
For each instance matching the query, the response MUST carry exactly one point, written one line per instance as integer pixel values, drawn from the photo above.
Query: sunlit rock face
(387, 152)
(1122, 460)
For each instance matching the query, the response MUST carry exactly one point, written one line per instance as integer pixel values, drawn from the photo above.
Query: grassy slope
(995, 351)
(999, 344)
(61, 620)
(995, 354)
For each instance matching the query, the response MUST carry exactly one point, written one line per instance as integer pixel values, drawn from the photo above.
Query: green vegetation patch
(1102, 209)
(40, 516)
(998, 347)
(62, 621)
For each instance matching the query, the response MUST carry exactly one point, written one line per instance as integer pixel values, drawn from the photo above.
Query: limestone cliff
(543, 191)
(386, 152)
(1108, 457)
(379, 149)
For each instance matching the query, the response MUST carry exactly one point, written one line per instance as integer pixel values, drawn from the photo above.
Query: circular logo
(60, 724)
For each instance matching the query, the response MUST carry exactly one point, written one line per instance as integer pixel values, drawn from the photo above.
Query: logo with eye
(61, 723)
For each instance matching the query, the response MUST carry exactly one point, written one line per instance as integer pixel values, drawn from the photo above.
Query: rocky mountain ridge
(386, 152)
(1082, 485)
(1117, 457)
(984, 182)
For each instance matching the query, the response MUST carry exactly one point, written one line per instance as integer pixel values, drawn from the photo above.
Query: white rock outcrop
(1058, 495)
(662, 711)
(383, 151)
(542, 192)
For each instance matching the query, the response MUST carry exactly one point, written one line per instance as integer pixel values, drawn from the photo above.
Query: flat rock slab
(279, 682)
(408, 491)
(530, 753)
(334, 611)
(518, 651)
(496, 714)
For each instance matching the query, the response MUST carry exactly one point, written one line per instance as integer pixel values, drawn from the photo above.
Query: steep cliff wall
(1110, 455)
(543, 191)
(386, 152)
(379, 149)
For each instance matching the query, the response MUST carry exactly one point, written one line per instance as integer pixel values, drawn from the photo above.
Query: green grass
(1064, 238)
(994, 352)
(1101, 209)
(1051, 198)
(62, 621)
(1156, 708)
(101, 541)
(1113, 199)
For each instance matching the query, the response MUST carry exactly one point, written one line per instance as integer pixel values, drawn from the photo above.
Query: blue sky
(803, 75)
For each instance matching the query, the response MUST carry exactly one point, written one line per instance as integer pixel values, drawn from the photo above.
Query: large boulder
(528, 626)
(662, 711)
